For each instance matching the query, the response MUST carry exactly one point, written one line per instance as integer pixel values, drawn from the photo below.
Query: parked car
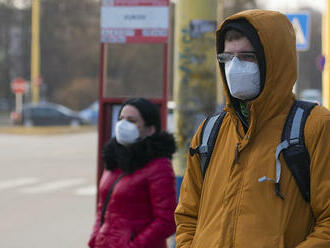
(91, 113)
(4, 104)
(47, 114)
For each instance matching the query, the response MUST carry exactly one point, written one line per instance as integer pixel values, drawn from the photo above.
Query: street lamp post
(35, 51)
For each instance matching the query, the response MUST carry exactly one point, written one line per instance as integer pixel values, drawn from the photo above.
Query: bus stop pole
(101, 125)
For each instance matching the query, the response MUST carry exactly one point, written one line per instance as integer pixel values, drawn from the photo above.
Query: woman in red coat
(138, 173)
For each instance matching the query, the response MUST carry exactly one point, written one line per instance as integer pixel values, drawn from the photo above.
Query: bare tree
(13, 46)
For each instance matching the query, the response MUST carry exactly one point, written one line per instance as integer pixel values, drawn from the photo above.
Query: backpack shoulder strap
(296, 154)
(208, 136)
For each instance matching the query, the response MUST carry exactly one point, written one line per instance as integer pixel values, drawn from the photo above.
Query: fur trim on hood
(134, 157)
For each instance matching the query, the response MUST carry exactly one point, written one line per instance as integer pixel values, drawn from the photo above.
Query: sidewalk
(53, 130)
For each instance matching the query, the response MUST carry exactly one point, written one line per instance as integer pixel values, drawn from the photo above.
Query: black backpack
(292, 145)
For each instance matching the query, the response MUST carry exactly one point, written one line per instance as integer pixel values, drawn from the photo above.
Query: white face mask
(243, 79)
(126, 132)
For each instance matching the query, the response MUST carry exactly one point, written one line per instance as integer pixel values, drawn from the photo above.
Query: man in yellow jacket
(230, 207)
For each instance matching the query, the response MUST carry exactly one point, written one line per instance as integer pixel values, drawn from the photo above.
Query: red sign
(134, 21)
(18, 85)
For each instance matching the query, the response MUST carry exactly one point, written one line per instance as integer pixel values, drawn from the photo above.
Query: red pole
(165, 83)
(101, 121)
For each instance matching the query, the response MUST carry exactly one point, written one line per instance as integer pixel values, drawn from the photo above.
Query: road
(47, 189)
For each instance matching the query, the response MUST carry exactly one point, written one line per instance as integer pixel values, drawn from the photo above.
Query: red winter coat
(140, 213)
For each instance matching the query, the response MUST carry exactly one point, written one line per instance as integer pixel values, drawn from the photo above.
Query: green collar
(244, 110)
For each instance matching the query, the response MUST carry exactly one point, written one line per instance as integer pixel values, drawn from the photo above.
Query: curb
(53, 130)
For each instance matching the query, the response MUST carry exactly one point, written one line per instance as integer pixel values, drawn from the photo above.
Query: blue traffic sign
(301, 25)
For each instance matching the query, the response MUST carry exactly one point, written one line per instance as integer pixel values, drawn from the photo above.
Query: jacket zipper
(237, 152)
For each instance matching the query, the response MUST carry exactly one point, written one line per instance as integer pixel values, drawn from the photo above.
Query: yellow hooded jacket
(230, 208)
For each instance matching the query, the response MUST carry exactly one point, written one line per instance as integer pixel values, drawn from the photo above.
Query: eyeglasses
(243, 56)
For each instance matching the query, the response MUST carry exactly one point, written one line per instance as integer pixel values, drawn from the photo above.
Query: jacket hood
(129, 159)
(277, 38)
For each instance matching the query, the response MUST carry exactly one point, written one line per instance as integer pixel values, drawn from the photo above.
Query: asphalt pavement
(47, 187)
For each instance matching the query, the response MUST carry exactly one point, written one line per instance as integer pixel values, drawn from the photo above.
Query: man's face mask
(243, 78)
(126, 132)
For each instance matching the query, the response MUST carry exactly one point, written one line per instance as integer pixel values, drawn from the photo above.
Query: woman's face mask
(126, 132)
(243, 79)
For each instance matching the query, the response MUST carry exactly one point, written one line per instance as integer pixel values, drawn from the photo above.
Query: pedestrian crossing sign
(301, 25)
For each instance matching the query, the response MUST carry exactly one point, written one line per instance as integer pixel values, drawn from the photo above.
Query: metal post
(195, 86)
(101, 121)
(325, 51)
(19, 103)
(220, 91)
(164, 86)
(35, 51)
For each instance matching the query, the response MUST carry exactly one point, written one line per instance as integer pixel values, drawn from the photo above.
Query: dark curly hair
(148, 110)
